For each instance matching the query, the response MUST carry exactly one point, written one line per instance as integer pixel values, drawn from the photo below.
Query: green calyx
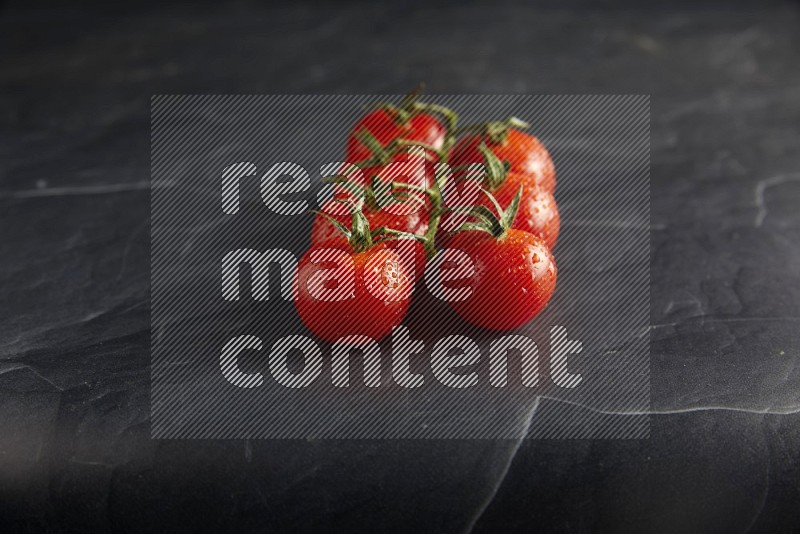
(434, 195)
(408, 106)
(369, 194)
(487, 221)
(359, 235)
(496, 170)
(382, 155)
(495, 132)
(401, 113)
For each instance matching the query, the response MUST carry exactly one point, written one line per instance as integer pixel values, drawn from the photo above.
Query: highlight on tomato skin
(415, 223)
(538, 211)
(516, 270)
(339, 292)
(514, 273)
(400, 142)
(386, 127)
(410, 166)
(524, 153)
(322, 229)
(391, 213)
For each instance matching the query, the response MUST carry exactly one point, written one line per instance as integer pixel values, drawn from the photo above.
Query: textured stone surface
(74, 326)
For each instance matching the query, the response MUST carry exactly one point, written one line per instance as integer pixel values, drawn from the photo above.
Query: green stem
(433, 226)
(496, 225)
(358, 235)
(401, 143)
(451, 126)
(435, 214)
(495, 131)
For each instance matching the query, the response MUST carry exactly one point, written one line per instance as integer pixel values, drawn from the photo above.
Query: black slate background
(724, 452)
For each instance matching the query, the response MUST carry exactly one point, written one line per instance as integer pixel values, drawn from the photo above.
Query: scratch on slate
(762, 186)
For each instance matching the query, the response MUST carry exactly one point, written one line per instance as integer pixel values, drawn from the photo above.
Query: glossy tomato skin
(404, 168)
(538, 211)
(380, 296)
(323, 230)
(421, 127)
(524, 152)
(537, 214)
(515, 276)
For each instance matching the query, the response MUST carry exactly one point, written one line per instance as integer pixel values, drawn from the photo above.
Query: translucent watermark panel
(272, 321)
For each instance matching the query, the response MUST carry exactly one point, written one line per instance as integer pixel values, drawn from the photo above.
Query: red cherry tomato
(323, 230)
(387, 126)
(339, 292)
(404, 167)
(538, 211)
(515, 276)
(524, 152)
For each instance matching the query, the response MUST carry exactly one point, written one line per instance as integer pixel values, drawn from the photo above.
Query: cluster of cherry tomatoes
(506, 225)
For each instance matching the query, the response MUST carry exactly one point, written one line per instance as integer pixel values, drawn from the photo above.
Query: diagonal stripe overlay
(232, 359)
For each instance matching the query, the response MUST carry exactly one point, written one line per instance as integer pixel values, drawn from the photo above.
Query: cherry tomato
(525, 154)
(387, 125)
(538, 211)
(340, 292)
(405, 167)
(322, 229)
(515, 276)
